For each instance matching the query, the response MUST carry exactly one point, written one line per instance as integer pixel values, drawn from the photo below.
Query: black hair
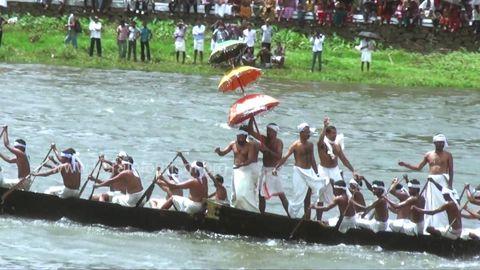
(219, 178)
(330, 129)
(173, 169)
(69, 151)
(21, 141)
(378, 183)
(415, 182)
(340, 183)
(128, 159)
(399, 186)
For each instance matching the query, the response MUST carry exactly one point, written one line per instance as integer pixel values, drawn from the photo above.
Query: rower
(70, 168)
(220, 194)
(401, 194)
(128, 180)
(172, 174)
(441, 170)
(245, 172)
(271, 147)
(114, 168)
(454, 229)
(194, 203)
(20, 159)
(330, 149)
(380, 221)
(305, 178)
(345, 207)
(473, 198)
(409, 222)
(203, 177)
(357, 195)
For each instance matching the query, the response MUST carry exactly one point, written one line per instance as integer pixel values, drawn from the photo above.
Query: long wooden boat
(225, 220)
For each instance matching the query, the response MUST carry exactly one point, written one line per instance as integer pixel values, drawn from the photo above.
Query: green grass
(391, 67)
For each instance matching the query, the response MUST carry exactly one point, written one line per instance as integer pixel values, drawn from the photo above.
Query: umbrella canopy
(239, 78)
(227, 50)
(371, 35)
(250, 106)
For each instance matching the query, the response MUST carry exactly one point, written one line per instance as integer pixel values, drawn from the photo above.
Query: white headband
(121, 154)
(476, 193)
(242, 132)
(302, 126)
(410, 185)
(201, 170)
(74, 161)
(440, 138)
(339, 187)
(174, 176)
(124, 162)
(353, 182)
(377, 186)
(17, 144)
(274, 127)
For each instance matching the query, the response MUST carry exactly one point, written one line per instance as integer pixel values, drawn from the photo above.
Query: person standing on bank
(145, 37)
(366, 48)
(95, 28)
(317, 48)
(133, 34)
(198, 32)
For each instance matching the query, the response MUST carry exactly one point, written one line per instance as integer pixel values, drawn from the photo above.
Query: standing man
(271, 147)
(133, 34)
(179, 37)
(245, 176)
(305, 174)
(70, 168)
(440, 164)
(2, 22)
(317, 48)
(267, 35)
(20, 159)
(366, 48)
(122, 36)
(71, 31)
(330, 149)
(95, 28)
(145, 37)
(198, 32)
(249, 37)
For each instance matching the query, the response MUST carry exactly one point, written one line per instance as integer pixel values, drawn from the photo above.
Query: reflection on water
(153, 115)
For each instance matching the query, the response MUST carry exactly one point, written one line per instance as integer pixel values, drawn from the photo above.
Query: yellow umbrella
(239, 77)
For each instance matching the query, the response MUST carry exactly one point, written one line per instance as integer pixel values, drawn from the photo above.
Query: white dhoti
(434, 199)
(198, 45)
(184, 204)
(63, 192)
(325, 194)
(406, 226)
(466, 233)
(245, 188)
(180, 46)
(155, 203)
(129, 200)
(372, 224)
(366, 56)
(270, 185)
(9, 183)
(449, 232)
(347, 223)
(302, 180)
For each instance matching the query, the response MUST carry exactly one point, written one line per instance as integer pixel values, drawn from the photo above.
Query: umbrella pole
(255, 123)
(241, 87)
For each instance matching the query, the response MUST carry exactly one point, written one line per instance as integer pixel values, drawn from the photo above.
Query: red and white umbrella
(250, 106)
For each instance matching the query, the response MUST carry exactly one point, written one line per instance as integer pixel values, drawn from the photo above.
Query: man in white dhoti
(198, 32)
(245, 172)
(345, 207)
(305, 174)
(128, 180)
(114, 168)
(473, 198)
(179, 37)
(441, 170)
(366, 48)
(330, 148)
(194, 203)
(380, 221)
(20, 159)
(70, 168)
(271, 147)
(409, 222)
(453, 230)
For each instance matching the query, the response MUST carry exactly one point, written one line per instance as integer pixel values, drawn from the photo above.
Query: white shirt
(198, 32)
(133, 33)
(475, 14)
(95, 29)
(267, 32)
(317, 43)
(249, 37)
(366, 46)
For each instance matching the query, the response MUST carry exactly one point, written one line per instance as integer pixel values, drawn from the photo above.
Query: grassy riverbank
(40, 40)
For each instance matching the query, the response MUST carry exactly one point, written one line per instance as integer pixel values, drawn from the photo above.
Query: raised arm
(326, 122)
(6, 142)
(450, 171)
(225, 151)
(7, 159)
(369, 186)
(418, 167)
(251, 131)
(185, 161)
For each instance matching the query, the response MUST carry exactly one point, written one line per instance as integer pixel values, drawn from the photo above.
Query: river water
(153, 115)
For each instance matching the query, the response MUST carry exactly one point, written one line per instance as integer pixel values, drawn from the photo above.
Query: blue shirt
(145, 34)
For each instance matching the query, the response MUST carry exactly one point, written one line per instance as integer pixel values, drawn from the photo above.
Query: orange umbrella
(238, 78)
(250, 106)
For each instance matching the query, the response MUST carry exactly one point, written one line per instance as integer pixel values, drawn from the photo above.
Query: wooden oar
(461, 194)
(86, 181)
(340, 218)
(19, 184)
(148, 192)
(96, 178)
(295, 229)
